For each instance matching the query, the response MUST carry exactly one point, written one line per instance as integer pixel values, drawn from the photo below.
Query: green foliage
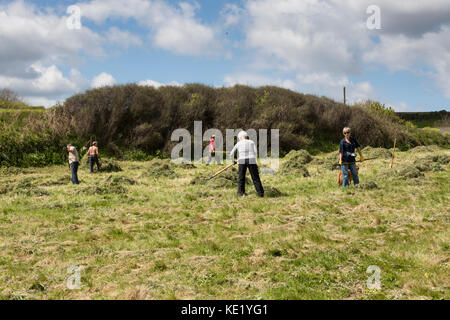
(378, 108)
(135, 122)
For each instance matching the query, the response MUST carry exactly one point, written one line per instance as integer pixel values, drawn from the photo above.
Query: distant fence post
(345, 99)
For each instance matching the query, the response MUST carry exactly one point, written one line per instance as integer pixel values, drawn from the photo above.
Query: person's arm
(341, 150)
(360, 154)
(233, 151)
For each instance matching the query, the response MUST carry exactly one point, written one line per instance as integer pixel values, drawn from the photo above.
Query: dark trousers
(216, 157)
(94, 160)
(253, 168)
(74, 169)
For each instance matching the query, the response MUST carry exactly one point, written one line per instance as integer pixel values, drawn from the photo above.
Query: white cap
(242, 134)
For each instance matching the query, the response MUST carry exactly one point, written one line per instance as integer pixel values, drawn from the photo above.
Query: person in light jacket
(73, 162)
(247, 154)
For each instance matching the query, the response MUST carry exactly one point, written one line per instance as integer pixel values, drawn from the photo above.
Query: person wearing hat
(73, 162)
(247, 154)
(212, 151)
(93, 157)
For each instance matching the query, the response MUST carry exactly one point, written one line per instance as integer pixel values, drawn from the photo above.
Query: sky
(397, 52)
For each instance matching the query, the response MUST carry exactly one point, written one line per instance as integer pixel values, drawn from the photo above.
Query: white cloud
(29, 35)
(257, 80)
(431, 50)
(313, 83)
(232, 15)
(122, 38)
(48, 86)
(321, 43)
(34, 42)
(102, 80)
(156, 84)
(171, 28)
(41, 101)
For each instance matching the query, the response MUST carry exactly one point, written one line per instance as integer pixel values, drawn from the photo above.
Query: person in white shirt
(247, 154)
(73, 162)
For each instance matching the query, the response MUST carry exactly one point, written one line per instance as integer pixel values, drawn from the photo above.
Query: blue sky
(308, 46)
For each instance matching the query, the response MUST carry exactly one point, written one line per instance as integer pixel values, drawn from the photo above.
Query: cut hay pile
(120, 180)
(420, 149)
(382, 153)
(272, 192)
(441, 159)
(183, 164)
(160, 168)
(111, 185)
(408, 172)
(368, 185)
(28, 187)
(57, 182)
(426, 164)
(294, 163)
(299, 156)
(110, 165)
(434, 163)
(227, 179)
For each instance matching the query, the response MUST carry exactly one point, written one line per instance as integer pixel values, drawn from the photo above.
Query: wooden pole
(393, 153)
(222, 170)
(345, 98)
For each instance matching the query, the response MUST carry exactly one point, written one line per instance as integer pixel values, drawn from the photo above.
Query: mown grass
(161, 237)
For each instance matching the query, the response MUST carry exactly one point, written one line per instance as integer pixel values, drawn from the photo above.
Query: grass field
(138, 236)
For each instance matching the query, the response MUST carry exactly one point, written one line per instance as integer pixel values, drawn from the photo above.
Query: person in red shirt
(212, 151)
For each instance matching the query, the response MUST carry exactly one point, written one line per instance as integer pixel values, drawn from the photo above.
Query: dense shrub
(133, 117)
(144, 117)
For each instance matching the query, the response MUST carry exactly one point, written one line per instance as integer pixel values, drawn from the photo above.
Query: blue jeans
(74, 169)
(93, 160)
(345, 168)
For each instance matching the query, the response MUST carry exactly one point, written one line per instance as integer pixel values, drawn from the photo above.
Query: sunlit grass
(164, 238)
